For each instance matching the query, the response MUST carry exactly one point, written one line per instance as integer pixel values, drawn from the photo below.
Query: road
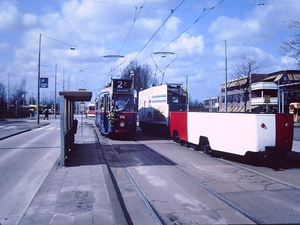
(25, 162)
(297, 134)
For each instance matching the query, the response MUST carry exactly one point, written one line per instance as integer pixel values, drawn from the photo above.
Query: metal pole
(39, 78)
(225, 76)
(278, 98)
(187, 90)
(8, 87)
(81, 123)
(62, 131)
(55, 91)
(282, 101)
(63, 80)
(68, 82)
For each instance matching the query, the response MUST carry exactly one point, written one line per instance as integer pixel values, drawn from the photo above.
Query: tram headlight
(122, 124)
(122, 117)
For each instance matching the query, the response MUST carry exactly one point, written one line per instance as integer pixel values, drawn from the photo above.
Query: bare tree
(194, 105)
(19, 92)
(242, 70)
(142, 75)
(18, 99)
(246, 65)
(291, 47)
(2, 102)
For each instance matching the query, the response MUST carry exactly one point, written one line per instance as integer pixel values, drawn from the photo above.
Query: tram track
(151, 205)
(260, 174)
(248, 215)
(154, 212)
(159, 220)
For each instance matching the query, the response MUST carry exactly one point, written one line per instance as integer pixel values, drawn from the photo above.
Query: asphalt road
(297, 133)
(25, 161)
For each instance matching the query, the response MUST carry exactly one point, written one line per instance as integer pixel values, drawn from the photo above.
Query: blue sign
(44, 83)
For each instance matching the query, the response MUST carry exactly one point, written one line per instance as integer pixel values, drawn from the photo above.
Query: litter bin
(75, 126)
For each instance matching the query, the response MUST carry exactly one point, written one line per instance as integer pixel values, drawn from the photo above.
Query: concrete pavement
(81, 192)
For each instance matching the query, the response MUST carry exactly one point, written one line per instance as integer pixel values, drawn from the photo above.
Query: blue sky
(195, 30)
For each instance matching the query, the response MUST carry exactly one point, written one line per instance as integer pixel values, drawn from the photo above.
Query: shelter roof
(76, 96)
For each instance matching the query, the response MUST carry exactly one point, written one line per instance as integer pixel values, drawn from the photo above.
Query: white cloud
(188, 43)
(4, 46)
(97, 28)
(172, 24)
(12, 19)
(240, 31)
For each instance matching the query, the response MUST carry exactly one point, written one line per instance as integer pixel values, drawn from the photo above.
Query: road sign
(267, 98)
(44, 82)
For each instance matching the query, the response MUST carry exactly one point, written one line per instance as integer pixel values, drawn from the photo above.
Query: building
(288, 87)
(211, 104)
(258, 93)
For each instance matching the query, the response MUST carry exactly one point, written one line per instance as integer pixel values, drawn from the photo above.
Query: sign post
(267, 100)
(44, 82)
(81, 110)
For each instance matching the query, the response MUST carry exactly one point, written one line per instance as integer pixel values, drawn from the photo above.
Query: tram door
(295, 109)
(105, 110)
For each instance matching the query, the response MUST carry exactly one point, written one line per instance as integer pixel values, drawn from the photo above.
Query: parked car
(50, 111)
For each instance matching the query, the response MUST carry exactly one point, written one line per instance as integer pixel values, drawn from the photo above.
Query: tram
(164, 109)
(115, 108)
(235, 133)
(155, 105)
(90, 110)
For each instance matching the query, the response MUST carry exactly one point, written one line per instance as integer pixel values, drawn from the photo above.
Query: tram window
(108, 103)
(123, 102)
(175, 99)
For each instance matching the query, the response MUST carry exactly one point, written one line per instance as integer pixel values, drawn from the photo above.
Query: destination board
(122, 86)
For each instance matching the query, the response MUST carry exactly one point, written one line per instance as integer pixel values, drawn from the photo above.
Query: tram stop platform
(79, 193)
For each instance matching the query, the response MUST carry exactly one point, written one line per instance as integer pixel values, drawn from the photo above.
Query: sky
(193, 34)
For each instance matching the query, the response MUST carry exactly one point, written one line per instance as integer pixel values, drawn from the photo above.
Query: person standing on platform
(46, 114)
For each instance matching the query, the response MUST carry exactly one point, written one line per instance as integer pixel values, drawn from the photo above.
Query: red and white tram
(116, 108)
(91, 110)
(164, 108)
(237, 133)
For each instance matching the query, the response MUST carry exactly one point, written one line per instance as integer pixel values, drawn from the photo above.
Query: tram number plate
(122, 86)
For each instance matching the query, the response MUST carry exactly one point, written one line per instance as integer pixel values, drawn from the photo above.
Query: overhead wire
(189, 9)
(172, 11)
(199, 17)
(134, 20)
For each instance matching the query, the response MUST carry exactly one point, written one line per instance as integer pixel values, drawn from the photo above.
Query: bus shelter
(68, 126)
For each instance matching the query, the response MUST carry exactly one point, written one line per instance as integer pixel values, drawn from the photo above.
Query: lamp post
(225, 76)
(39, 74)
(55, 83)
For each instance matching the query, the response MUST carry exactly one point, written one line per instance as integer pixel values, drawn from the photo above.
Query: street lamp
(55, 91)
(39, 73)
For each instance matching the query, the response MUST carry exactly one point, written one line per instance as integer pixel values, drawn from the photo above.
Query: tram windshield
(123, 102)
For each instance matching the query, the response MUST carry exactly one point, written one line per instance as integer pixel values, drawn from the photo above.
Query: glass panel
(123, 102)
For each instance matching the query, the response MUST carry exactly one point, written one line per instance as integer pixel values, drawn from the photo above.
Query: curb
(23, 131)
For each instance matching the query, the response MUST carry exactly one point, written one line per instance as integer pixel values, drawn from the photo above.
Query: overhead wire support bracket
(113, 61)
(162, 55)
